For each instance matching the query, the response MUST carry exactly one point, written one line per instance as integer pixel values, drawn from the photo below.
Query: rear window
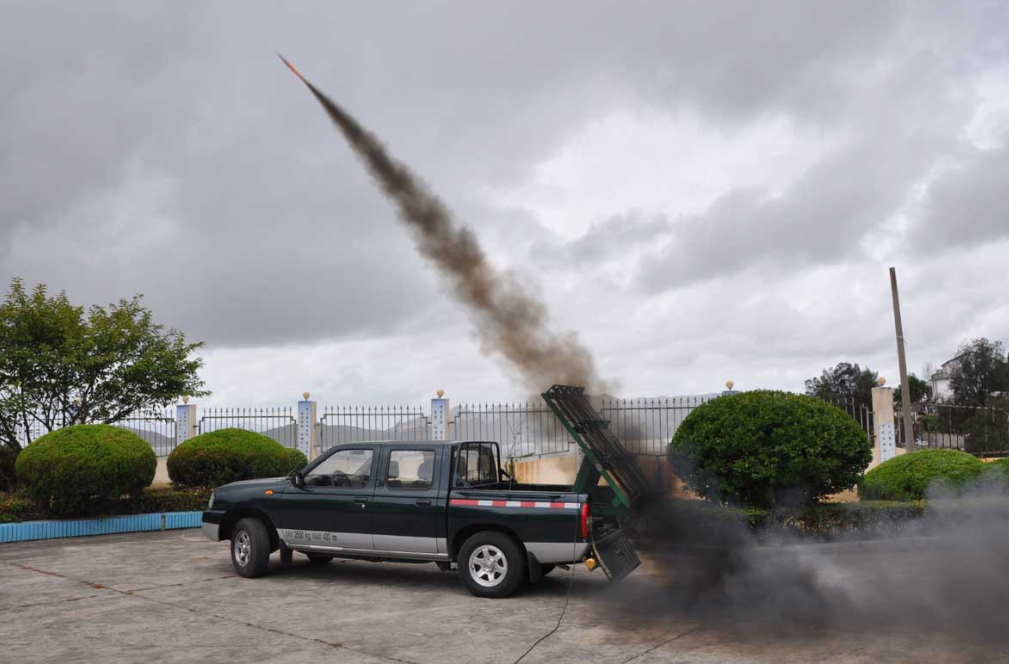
(477, 463)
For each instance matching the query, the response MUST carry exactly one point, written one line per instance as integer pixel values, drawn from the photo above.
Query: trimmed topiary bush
(296, 459)
(85, 469)
(8, 476)
(230, 455)
(908, 476)
(767, 449)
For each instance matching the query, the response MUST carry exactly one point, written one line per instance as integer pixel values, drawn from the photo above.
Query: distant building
(940, 380)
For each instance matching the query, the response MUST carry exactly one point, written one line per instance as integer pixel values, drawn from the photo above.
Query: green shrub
(85, 469)
(996, 468)
(908, 476)
(8, 476)
(229, 455)
(296, 459)
(16, 508)
(766, 449)
(172, 499)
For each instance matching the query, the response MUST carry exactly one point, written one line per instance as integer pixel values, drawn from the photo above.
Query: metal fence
(646, 426)
(980, 431)
(279, 423)
(156, 427)
(522, 429)
(348, 424)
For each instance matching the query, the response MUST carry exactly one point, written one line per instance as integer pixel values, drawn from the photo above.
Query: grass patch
(18, 507)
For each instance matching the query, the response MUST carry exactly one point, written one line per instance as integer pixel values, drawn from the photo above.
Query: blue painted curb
(133, 523)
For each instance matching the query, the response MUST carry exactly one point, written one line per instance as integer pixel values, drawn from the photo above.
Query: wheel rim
(488, 565)
(243, 548)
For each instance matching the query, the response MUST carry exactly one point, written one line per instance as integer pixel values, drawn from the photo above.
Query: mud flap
(614, 553)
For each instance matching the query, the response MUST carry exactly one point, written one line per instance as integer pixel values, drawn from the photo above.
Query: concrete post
(882, 418)
(308, 436)
(186, 422)
(440, 412)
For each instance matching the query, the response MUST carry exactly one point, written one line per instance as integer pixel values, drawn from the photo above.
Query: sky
(702, 191)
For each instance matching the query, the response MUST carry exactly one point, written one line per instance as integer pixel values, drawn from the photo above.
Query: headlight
(210, 505)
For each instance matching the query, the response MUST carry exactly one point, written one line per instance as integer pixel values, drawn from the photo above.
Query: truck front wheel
(250, 548)
(491, 564)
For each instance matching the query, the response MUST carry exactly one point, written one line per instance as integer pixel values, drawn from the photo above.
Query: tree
(980, 373)
(61, 365)
(846, 382)
(919, 389)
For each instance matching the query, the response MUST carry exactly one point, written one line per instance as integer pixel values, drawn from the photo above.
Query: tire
(250, 548)
(318, 558)
(491, 564)
(546, 569)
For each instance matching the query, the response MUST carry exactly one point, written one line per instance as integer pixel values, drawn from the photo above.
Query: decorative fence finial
(185, 399)
(441, 393)
(729, 384)
(881, 381)
(305, 395)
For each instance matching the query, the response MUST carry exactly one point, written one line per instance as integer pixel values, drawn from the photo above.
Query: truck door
(409, 505)
(333, 510)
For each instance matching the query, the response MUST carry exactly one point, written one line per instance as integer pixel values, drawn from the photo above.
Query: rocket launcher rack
(605, 455)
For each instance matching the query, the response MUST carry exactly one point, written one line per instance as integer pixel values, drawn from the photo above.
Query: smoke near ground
(510, 322)
(944, 574)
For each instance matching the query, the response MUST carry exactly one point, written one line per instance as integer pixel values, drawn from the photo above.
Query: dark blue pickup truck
(416, 501)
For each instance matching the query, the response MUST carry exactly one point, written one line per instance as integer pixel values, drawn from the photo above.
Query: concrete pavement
(172, 597)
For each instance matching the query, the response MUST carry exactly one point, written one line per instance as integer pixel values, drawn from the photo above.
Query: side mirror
(297, 479)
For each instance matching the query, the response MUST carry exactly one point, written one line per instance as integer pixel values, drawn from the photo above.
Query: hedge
(8, 476)
(84, 469)
(909, 476)
(230, 455)
(766, 449)
(153, 499)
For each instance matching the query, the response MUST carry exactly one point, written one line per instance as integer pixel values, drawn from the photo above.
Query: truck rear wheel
(250, 548)
(491, 564)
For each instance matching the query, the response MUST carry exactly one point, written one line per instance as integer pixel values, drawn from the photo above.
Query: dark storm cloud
(239, 243)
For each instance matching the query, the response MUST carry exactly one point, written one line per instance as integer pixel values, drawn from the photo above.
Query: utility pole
(905, 390)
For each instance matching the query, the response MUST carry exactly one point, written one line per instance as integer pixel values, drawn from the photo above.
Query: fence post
(882, 416)
(186, 422)
(308, 438)
(439, 417)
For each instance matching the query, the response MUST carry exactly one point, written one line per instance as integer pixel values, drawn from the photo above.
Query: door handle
(363, 502)
(422, 501)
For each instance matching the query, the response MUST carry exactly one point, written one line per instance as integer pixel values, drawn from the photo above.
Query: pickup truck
(415, 501)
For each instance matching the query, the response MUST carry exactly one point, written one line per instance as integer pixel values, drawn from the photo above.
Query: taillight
(586, 513)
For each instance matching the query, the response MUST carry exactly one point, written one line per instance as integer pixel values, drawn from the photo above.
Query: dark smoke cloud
(941, 574)
(509, 320)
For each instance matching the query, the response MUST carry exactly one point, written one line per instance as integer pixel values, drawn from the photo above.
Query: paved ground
(172, 597)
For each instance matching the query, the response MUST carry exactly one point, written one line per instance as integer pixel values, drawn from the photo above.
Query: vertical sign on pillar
(882, 416)
(185, 421)
(439, 417)
(307, 434)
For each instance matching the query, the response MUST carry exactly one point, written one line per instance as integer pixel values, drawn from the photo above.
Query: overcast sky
(702, 190)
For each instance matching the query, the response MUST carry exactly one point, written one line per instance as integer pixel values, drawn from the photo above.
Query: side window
(478, 464)
(410, 469)
(346, 468)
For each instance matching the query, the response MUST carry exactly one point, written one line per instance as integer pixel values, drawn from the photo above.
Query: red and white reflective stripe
(464, 502)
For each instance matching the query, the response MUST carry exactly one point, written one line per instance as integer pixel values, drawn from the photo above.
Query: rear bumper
(212, 525)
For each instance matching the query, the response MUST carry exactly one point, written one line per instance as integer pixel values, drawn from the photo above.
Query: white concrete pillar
(308, 436)
(186, 422)
(882, 419)
(440, 414)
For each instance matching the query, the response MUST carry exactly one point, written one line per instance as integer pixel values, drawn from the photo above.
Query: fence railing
(981, 431)
(348, 424)
(646, 426)
(522, 429)
(279, 423)
(156, 427)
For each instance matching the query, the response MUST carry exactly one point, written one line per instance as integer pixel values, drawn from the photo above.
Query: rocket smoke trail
(508, 320)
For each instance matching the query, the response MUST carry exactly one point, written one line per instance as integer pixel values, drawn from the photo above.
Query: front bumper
(212, 525)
